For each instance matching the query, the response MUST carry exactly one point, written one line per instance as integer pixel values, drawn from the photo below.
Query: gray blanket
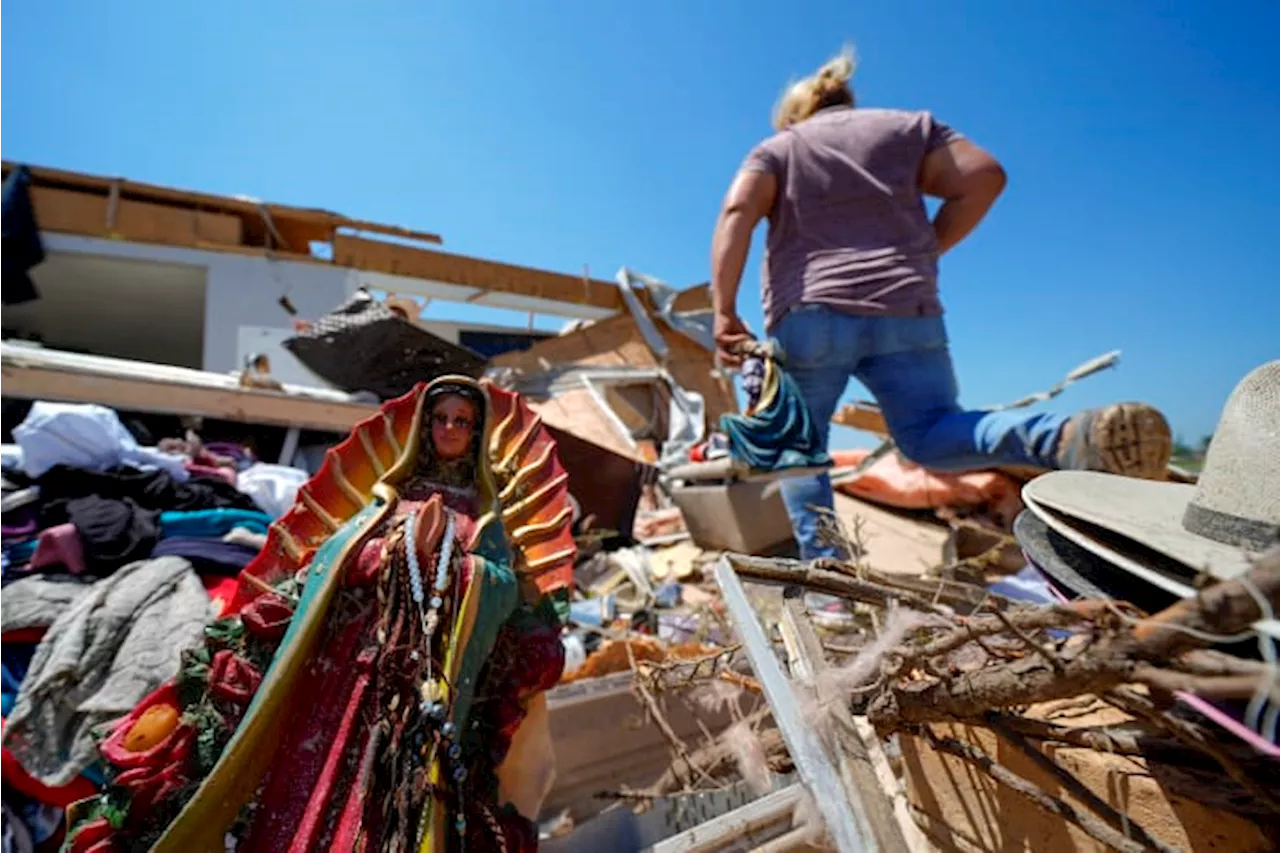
(102, 655)
(38, 601)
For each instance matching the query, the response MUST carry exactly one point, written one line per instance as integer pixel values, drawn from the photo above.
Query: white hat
(1213, 526)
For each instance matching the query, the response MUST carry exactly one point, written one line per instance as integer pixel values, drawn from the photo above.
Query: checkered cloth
(363, 346)
(360, 310)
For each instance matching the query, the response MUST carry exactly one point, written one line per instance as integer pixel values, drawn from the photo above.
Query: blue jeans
(905, 364)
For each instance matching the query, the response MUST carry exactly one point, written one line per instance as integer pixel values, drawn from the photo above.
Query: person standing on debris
(850, 289)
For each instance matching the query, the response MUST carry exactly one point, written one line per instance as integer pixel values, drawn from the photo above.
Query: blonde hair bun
(827, 87)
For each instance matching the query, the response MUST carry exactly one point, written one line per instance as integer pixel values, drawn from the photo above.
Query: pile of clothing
(114, 558)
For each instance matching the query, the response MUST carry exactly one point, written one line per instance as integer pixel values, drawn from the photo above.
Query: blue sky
(1139, 139)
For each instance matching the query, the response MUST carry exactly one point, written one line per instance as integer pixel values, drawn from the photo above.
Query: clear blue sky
(1140, 142)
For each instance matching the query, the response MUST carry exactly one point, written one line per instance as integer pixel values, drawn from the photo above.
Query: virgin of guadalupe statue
(378, 682)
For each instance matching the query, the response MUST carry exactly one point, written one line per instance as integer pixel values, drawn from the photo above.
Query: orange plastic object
(897, 482)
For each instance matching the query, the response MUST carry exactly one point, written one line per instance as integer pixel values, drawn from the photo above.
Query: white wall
(120, 307)
(240, 290)
(245, 291)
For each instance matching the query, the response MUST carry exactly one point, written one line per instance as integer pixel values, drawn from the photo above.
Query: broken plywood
(281, 227)
(75, 212)
(617, 342)
(894, 542)
(577, 411)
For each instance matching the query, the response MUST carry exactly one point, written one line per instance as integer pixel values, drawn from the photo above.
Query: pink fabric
(209, 471)
(59, 546)
(1229, 723)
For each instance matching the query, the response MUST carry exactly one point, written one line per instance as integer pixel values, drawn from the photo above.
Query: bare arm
(969, 180)
(750, 198)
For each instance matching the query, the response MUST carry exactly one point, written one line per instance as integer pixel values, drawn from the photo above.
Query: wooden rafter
(397, 259)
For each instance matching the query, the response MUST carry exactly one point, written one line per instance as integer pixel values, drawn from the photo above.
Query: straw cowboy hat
(1167, 533)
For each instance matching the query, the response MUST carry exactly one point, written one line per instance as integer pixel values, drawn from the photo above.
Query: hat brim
(1155, 569)
(1080, 571)
(1146, 512)
(1169, 575)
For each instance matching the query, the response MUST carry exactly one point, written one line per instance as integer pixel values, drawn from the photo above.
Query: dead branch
(789, 572)
(1225, 608)
(972, 694)
(984, 625)
(660, 720)
(955, 594)
(1112, 660)
(1187, 772)
(1208, 686)
(1210, 662)
(679, 674)
(1095, 828)
(1124, 739)
(1117, 740)
(1080, 791)
(1044, 651)
(716, 758)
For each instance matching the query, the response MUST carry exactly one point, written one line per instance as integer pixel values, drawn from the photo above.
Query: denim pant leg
(909, 372)
(821, 347)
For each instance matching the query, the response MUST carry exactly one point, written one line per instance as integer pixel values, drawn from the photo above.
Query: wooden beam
(397, 259)
(853, 751)
(391, 231)
(157, 396)
(73, 212)
(298, 226)
(846, 817)
(44, 176)
(862, 415)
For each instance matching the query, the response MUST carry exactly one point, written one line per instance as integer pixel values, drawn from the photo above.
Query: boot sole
(1133, 440)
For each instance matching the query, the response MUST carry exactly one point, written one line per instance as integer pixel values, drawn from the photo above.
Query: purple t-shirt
(849, 228)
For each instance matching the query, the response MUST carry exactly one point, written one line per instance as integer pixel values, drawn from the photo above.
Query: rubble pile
(994, 659)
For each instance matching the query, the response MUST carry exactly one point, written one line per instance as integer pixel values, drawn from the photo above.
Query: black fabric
(113, 533)
(1079, 571)
(207, 556)
(150, 490)
(22, 248)
(363, 346)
